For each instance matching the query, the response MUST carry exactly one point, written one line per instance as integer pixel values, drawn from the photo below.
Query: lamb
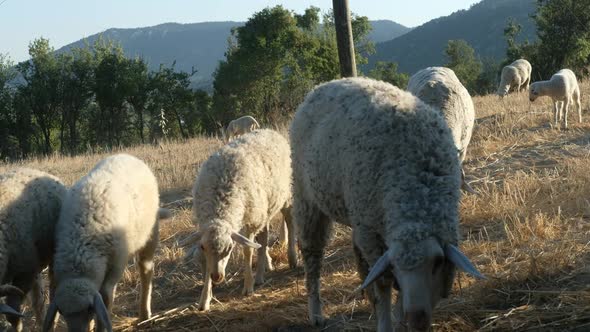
(30, 201)
(240, 126)
(240, 188)
(376, 158)
(440, 88)
(109, 214)
(563, 89)
(516, 75)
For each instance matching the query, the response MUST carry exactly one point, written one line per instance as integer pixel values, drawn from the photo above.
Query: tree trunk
(344, 38)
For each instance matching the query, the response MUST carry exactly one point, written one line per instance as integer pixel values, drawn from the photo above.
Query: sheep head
(216, 245)
(534, 92)
(77, 301)
(421, 285)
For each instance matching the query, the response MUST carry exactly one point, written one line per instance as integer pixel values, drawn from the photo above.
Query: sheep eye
(438, 261)
(202, 247)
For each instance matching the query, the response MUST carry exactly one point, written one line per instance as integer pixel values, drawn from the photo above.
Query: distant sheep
(241, 188)
(440, 88)
(109, 214)
(563, 88)
(30, 202)
(516, 75)
(376, 158)
(240, 126)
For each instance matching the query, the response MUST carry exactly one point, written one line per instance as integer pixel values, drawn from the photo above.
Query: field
(528, 230)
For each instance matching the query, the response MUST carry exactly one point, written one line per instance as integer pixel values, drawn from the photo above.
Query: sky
(66, 21)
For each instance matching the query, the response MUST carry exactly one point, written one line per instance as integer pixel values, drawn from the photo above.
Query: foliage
(276, 58)
(564, 36)
(387, 71)
(461, 59)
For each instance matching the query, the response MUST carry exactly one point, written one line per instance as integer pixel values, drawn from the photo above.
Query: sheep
(563, 89)
(240, 188)
(107, 215)
(376, 158)
(240, 126)
(30, 201)
(516, 75)
(440, 88)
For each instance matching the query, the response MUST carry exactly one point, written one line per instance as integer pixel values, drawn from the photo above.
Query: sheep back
(30, 202)
(440, 88)
(248, 179)
(106, 216)
(374, 157)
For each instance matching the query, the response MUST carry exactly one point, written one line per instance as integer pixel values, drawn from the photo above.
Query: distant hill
(201, 45)
(482, 26)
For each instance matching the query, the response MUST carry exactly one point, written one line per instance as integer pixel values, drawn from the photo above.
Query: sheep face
(78, 303)
(534, 92)
(216, 250)
(216, 244)
(424, 282)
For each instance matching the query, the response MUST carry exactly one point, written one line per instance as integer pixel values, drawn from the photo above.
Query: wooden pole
(344, 38)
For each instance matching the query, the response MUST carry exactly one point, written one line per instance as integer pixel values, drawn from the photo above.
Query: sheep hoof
(204, 307)
(259, 281)
(317, 321)
(247, 291)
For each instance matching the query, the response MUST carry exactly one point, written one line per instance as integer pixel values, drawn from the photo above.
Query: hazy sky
(65, 21)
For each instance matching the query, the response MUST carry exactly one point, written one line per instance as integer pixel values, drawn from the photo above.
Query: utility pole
(344, 38)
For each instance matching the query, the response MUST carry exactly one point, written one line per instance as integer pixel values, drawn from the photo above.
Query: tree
(387, 71)
(563, 27)
(461, 59)
(42, 88)
(8, 142)
(139, 90)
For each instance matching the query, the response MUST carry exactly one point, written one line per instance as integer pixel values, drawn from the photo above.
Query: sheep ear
(239, 238)
(10, 290)
(377, 270)
(461, 261)
(8, 310)
(50, 317)
(102, 314)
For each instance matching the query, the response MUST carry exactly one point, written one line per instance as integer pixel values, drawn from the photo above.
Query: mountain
(384, 30)
(198, 45)
(482, 26)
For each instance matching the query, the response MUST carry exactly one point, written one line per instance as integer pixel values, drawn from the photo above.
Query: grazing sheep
(440, 88)
(516, 75)
(30, 202)
(240, 126)
(109, 214)
(241, 188)
(376, 158)
(563, 89)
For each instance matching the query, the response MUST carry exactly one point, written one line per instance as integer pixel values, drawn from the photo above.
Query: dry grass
(528, 230)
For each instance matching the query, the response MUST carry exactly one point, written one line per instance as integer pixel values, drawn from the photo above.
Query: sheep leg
(314, 231)
(248, 278)
(556, 111)
(207, 292)
(38, 299)
(398, 313)
(363, 270)
(567, 108)
(578, 104)
(264, 260)
(145, 259)
(291, 251)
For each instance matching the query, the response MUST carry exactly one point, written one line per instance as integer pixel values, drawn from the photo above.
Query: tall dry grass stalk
(528, 230)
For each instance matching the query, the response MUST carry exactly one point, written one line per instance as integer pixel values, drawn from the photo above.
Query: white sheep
(239, 189)
(376, 158)
(109, 214)
(240, 126)
(516, 75)
(563, 88)
(30, 201)
(440, 88)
